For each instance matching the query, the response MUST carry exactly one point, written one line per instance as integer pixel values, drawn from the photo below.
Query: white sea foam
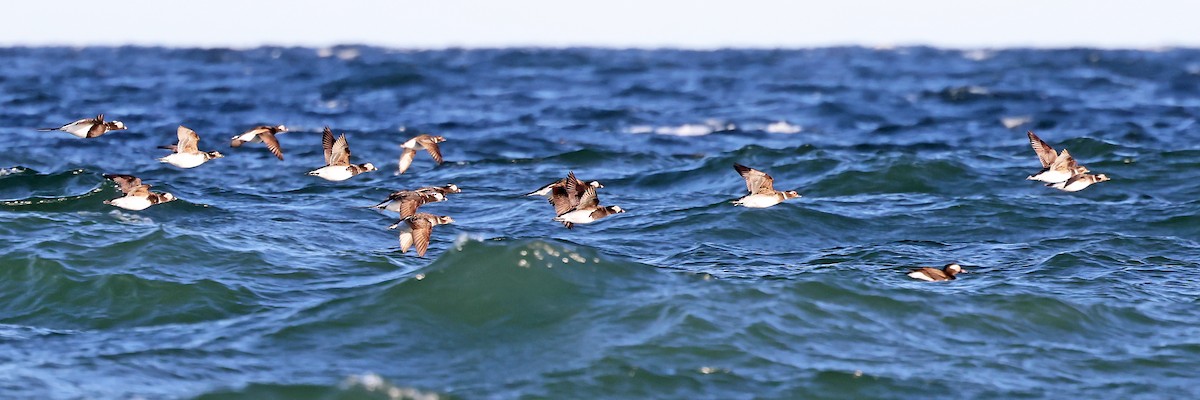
(1015, 121)
(782, 127)
(978, 54)
(10, 171)
(705, 128)
(130, 218)
(374, 383)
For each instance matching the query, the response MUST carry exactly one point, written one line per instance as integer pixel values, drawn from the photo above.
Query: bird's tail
(46, 129)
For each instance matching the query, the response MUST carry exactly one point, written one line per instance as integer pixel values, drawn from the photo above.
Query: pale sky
(609, 23)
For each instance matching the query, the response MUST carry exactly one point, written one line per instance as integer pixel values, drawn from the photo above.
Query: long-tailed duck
(406, 202)
(447, 189)
(187, 154)
(137, 194)
(264, 134)
(933, 274)
(337, 159)
(416, 229)
(428, 142)
(89, 127)
(587, 210)
(761, 187)
(564, 196)
(1079, 182)
(1055, 167)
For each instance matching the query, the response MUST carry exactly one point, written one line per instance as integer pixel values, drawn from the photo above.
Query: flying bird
(761, 187)
(337, 159)
(1079, 182)
(89, 127)
(264, 134)
(587, 210)
(406, 202)
(186, 152)
(1055, 167)
(416, 229)
(428, 142)
(137, 194)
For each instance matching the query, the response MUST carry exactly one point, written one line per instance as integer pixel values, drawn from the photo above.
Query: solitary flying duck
(587, 210)
(137, 194)
(88, 127)
(761, 187)
(264, 134)
(416, 229)
(337, 159)
(933, 274)
(1055, 167)
(187, 153)
(428, 142)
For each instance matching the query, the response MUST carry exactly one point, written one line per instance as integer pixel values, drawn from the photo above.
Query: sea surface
(264, 283)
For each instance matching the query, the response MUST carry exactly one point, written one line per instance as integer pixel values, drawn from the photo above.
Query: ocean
(263, 283)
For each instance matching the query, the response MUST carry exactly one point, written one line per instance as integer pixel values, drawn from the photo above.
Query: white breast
(1077, 186)
(1052, 176)
(920, 275)
(410, 144)
(758, 201)
(184, 160)
(135, 203)
(576, 217)
(250, 137)
(79, 129)
(333, 172)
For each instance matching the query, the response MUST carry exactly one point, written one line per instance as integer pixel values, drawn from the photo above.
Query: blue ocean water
(262, 282)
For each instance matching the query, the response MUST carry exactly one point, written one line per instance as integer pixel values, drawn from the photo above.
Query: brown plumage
(947, 273)
(265, 134)
(406, 202)
(428, 142)
(415, 230)
(1054, 165)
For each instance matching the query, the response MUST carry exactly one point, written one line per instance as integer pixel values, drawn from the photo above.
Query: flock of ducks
(574, 201)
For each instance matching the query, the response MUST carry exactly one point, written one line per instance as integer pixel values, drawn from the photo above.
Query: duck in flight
(761, 187)
(264, 134)
(137, 194)
(89, 127)
(428, 142)
(337, 159)
(187, 153)
(586, 210)
(1056, 167)
(416, 229)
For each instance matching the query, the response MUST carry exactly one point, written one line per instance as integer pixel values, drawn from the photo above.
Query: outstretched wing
(406, 159)
(1044, 152)
(589, 199)
(756, 181)
(272, 143)
(189, 141)
(340, 155)
(125, 183)
(327, 144)
(98, 127)
(433, 149)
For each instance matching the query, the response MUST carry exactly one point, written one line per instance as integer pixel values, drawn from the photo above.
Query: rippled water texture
(264, 283)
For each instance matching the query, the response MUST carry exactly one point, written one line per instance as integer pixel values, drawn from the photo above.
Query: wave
(45, 293)
(364, 386)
